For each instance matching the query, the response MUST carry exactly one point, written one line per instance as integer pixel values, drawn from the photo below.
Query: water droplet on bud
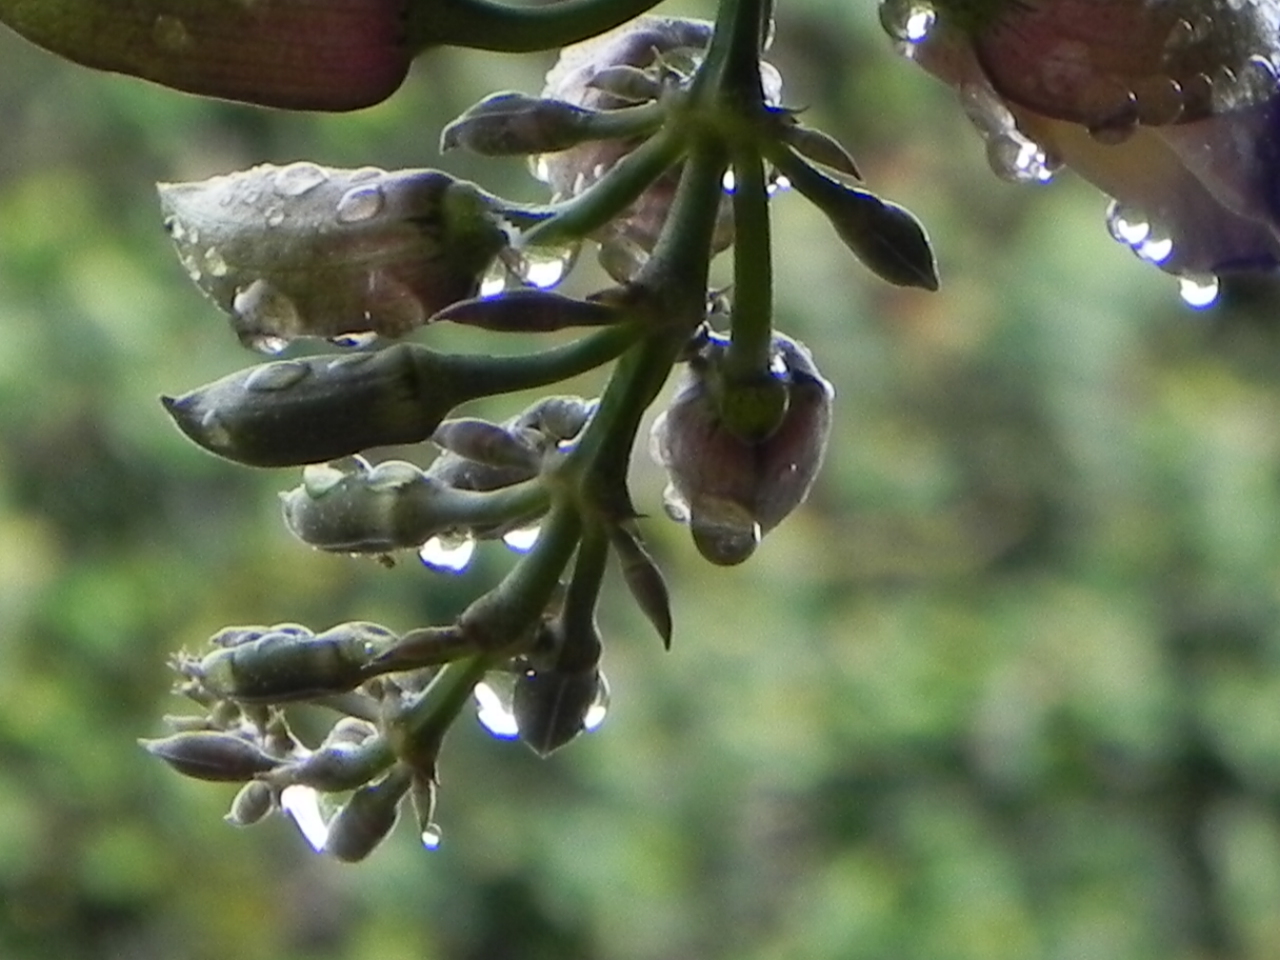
(298, 178)
(359, 204)
(724, 532)
(1198, 292)
(276, 376)
(521, 540)
(594, 717)
(493, 706)
(449, 552)
(431, 837)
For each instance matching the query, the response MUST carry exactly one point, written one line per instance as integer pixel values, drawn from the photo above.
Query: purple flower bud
(212, 755)
(308, 251)
(732, 490)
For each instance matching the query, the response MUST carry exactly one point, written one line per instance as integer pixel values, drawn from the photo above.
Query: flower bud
(332, 768)
(506, 124)
(253, 803)
(294, 412)
(731, 490)
(211, 755)
(305, 250)
(280, 667)
(367, 818)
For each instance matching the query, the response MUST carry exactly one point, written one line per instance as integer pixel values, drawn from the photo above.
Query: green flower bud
(280, 667)
(367, 818)
(294, 412)
(211, 755)
(553, 706)
(305, 250)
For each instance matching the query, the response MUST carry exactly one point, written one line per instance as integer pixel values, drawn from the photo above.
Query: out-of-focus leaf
(312, 55)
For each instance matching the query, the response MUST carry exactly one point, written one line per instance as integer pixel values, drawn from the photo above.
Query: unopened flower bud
(254, 802)
(334, 767)
(280, 667)
(732, 491)
(294, 412)
(506, 124)
(305, 250)
(367, 818)
(211, 755)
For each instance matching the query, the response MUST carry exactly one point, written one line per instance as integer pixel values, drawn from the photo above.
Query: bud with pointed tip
(367, 818)
(511, 124)
(212, 755)
(731, 490)
(280, 667)
(309, 251)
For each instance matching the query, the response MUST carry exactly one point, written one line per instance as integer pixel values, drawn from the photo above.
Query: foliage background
(1007, 688)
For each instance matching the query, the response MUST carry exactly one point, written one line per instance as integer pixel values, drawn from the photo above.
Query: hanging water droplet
(431, 836)
(1015, 158)
(1128, 227)
(724, 532)
(728, 182)
(280, 375)
(1155, 249)
(449, 552)
(544, 267)
(494, 280)
(214, 262)
(360, 203)
(540, 168)
(274, 216)
(522, 540)
(298, 178)
(493, 706)
(594, 717)
(907, 20)
(302, 804)
(674, 505)
(267, 344)
(778, 184)
(1198, 292)
(355, 341)
(263, 308)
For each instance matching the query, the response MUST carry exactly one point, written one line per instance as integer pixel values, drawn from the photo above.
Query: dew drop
(274, 216)
(319, 478)
(302, 804)
(724, 532)
(540, 168)
(493, 707)
(268, 344)
(907, 20)
(1198, 292)
(594, 717)
(1128, 227)
(522, 540)
(264, 309)
(448, 552)
(170, 33)
(1155, 249)
(431, 836)
(360, 203)
(728, 182)
(355, 341)
(1015, 158)
(298, 178)
(362, 174)
(777, 185)
(674, 505)
(494, 280)
(280, 375)
(544, 267)
(214, 431)
(215, 263)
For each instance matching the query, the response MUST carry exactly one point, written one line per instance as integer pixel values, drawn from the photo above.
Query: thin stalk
(751, 337)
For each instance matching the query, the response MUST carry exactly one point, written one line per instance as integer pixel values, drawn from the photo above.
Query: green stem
(581, 640)
(476, 376)
(731, 70)
(486, 25)
(609, 196)
(750, 346)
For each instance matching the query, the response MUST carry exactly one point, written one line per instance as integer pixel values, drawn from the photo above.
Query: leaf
(644, 579)
(317, 55)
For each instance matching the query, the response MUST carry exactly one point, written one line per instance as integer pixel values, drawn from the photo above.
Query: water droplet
(674, 505)
(1128, 227)
(431, 836)
(214, 431)
(1198, 292)
(728, 182)
(544, 267)
(493, 706)
(360, 203)
(723, 531)
(319, 478)
(362, 174)
(214, 262)
(1015, 158)
(302, 804)
(267, 344)
(540, 168)
(448, 552)
(907, 20)
(1155, 249)
(778, 184)
(280, 375)
(175, 228)
(522, 540)
(298, 178)
(494, 280)
(594, 717)
(355, 341)
(275, 216)
(263, 309)
(170, 33)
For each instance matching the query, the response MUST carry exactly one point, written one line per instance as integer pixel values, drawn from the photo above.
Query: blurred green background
(1008, 688)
